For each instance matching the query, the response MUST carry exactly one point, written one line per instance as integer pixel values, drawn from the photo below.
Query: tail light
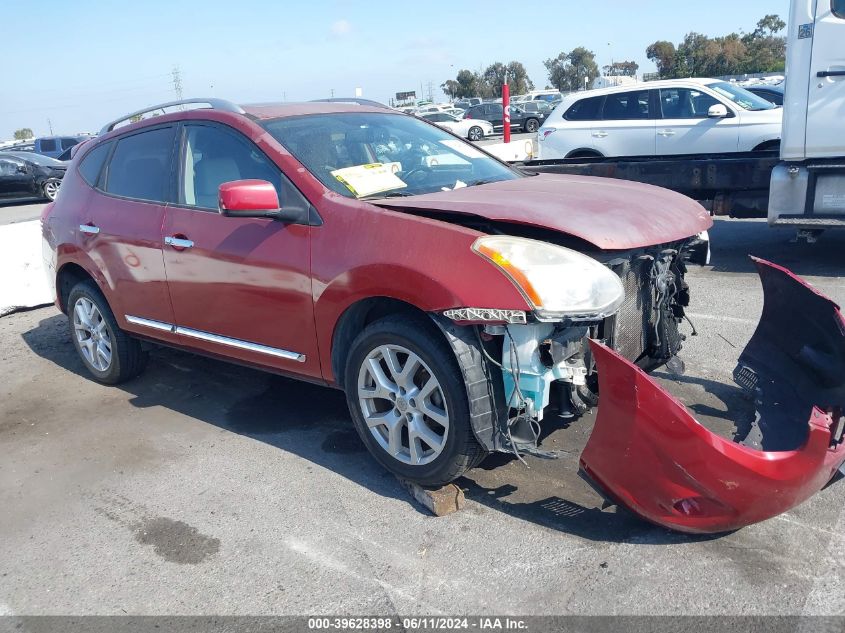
(546, 133)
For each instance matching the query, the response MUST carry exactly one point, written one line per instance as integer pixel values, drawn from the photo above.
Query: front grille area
(630, 330)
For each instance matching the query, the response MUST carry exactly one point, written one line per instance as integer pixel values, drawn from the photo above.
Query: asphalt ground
(206, 488)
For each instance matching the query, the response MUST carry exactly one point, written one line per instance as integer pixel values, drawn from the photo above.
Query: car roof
(264, 111)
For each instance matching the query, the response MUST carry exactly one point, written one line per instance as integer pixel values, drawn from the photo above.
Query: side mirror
(717, 111)
(253, 199)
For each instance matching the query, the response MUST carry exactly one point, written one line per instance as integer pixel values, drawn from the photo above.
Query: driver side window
(212, 156)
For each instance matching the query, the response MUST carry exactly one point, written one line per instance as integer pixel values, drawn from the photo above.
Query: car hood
(611, 214)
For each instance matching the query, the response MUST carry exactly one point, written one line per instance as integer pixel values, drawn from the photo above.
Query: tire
(453, 448)
(475, 133)
(532, 125)
(50, 188)
(95, 332)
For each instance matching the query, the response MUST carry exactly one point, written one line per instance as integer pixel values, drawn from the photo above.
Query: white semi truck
(808, 187)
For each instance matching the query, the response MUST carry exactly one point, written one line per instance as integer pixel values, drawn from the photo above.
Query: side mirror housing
(717, 111)
(253, 199)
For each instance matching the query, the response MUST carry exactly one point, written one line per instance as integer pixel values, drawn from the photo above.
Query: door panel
(244, 279)
(14, 183)
(827, 92)
(121, 228)
(686, 129)
(626, 128)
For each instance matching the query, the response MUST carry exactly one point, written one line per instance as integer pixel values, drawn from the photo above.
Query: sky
(105, 59)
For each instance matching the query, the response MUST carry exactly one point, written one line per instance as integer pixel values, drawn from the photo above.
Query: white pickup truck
(808, 188)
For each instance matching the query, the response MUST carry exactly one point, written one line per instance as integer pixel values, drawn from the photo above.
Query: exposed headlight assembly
(557, 282)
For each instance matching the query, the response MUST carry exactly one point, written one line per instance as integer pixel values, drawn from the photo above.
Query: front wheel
(51, 188)
(108, 353)
(409, 402)
(475, 133)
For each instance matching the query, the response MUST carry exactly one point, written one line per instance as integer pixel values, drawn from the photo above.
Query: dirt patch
(176, 541)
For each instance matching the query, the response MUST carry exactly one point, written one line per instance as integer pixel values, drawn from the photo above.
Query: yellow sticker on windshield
(369, 179)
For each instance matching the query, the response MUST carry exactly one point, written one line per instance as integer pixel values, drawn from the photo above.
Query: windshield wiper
(389, 194)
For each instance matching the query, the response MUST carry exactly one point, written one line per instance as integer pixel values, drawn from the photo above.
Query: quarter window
(92, 164)
(685, 103)
(213, 156)
(838, 8)
(140, 165)
(585, 110)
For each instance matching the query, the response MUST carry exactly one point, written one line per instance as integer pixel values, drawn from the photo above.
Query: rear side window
(92, 164)
(838, 8)
(626, 106)
(585, 110)
(47, 144)
(140, 165)
(67, 143)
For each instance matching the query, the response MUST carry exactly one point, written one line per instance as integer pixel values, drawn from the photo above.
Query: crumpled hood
(611, 214)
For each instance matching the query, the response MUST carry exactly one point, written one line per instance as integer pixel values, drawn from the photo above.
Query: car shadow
(312, 422)
(733, 241)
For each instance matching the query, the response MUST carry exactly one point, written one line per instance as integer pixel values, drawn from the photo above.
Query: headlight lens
(556, 281)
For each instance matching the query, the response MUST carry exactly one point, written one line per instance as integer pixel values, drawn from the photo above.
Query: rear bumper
(648, 453)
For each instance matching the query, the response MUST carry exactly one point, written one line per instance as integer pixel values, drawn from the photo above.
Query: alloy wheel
(51, 189)
(475, 133)
(92, 334)
(403, 405)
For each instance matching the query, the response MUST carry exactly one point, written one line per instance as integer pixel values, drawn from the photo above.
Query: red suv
(451, 296)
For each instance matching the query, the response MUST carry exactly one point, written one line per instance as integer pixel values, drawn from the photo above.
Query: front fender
(649, 453)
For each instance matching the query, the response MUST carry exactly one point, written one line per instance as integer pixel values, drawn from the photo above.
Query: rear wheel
(108, 353)
(409, 402)
(532, 125)
(475, 133)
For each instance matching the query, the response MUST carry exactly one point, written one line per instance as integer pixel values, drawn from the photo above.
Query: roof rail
(355, 100)
(214, 104)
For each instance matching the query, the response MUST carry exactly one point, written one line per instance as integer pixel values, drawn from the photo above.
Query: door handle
(666, 133)
(831, 73)
(601, 134)
(90, 229)
(178, 242)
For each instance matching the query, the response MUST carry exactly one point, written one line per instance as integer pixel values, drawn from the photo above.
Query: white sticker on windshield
(366, 180)
(462, 148)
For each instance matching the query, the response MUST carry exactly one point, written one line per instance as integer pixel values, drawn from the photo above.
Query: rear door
(241, 287)
(120, 228)
(827, 82)
(685, 127)
(627, 126)
(16, 178)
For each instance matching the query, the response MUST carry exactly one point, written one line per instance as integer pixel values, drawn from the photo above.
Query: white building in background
(610, 82)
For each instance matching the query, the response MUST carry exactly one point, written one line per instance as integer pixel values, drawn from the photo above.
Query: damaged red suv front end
(648, 453)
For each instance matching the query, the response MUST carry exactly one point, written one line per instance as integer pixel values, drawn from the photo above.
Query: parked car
(474, 130)
(467, 103)
(771, 93)
(28, 175)
(494, 113)
(54, 146)
(536, 107)
(444, 291)
(684, 116)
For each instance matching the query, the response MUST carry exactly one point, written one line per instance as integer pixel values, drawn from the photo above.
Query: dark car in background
(536, 107)
(28, 175)
(494, 113)
(773, 94)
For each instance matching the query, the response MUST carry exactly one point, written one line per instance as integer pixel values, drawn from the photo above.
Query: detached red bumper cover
(648, 453)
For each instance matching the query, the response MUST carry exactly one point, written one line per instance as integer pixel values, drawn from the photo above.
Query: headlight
(556, 281)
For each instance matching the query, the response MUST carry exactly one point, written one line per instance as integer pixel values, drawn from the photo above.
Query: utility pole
(332, 91)
(430, 91)
(177, 82)
(50, 124)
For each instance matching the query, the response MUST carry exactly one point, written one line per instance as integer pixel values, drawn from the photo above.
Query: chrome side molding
(215, 338)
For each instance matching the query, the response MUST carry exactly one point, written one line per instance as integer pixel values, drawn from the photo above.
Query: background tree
(766, 49)
(663, 54)
(451, 88)
(23, 134)
(518, 79)
(494, 77)
(571, 71)
(621, 69)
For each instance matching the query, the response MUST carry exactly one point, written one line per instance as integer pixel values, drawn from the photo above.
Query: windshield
(741, 97)
(38, 159)
(367, 154)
